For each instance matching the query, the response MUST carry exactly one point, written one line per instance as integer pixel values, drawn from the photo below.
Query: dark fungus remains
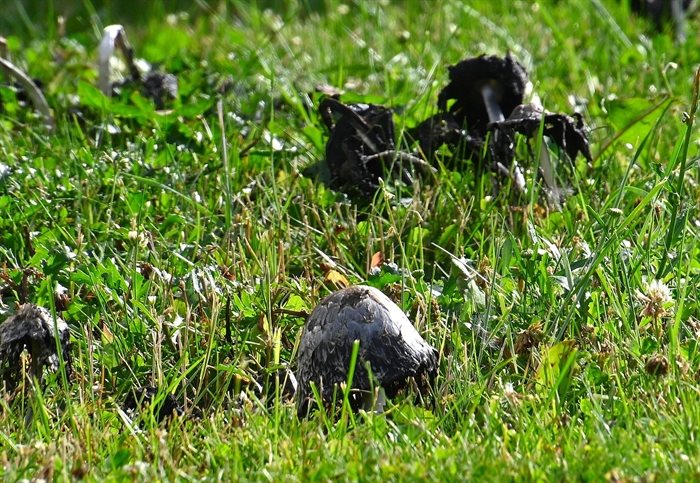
(160, 87)
(481, 110)
(661, 11)
(360, 148)
(388, 344)
(484, 89)
(568, 132)
(442, 129)
(32, 329)
(139, 398)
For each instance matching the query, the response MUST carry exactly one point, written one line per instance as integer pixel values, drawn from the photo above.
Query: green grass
(188, 225)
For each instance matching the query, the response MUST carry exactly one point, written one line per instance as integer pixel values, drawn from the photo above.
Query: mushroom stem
(31, 88)
(546, 166)
(678, 17)
(547, 170)
(375, 401)
(114, 37)
(493, 109)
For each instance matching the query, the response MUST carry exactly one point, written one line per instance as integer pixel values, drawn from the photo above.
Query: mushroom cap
(140, 397)
(32, 328)
(388, 343)
(360, 130)
(506, 77)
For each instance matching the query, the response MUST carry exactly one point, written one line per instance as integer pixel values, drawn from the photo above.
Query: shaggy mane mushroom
(32, 329)
(361, 149)
(389, 345)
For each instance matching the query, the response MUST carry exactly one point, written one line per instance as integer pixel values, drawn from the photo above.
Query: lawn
(183, 245)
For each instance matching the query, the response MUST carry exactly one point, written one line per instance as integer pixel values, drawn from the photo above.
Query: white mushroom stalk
(114, 38)
(31, 89)
(678, 16)
(493, 109)
(495, 113)
(547, 169)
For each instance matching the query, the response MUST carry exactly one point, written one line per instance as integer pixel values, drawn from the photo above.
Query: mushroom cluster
(488, 110)
(480, 111)
(390, 349)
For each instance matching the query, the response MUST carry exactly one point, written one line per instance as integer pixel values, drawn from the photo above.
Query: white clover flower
(657, 299)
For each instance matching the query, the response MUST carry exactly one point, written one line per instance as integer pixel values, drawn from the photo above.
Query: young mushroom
(32, 329)
(389, 347)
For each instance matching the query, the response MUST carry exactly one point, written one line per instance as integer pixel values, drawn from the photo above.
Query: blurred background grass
(26, 19)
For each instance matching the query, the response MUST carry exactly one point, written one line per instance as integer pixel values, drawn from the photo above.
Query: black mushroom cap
(357, 132)
(505, 76)
(32, 329)
(389, 343)
(140, 397)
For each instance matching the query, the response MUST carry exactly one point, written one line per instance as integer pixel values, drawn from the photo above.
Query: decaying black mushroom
(568, 132)
(661, 11)
(160, 87)
(486, 113)
(388, 344)
(360, 130)
(484, 89)
(32, 329)
(361, 149)
(139, 398)
(443, 129)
